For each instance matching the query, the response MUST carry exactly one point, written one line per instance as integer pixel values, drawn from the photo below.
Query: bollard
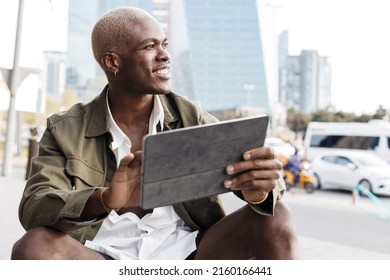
(354, 197)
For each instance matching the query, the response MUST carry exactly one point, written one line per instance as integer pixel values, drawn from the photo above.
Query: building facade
(219, 61)
(304, 79)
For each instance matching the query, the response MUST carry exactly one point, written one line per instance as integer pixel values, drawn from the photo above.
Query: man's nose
(163, 54)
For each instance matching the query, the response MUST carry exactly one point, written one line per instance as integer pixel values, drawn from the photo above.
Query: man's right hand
(124, 190)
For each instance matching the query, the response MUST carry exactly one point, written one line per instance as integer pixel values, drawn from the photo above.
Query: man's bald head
(111, 32)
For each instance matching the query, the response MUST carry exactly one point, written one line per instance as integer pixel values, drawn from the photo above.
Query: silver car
(347, 169)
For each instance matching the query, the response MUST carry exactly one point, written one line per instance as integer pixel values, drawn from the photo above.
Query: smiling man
(82, 200)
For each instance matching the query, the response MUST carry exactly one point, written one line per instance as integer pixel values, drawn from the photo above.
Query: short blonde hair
(112, 30)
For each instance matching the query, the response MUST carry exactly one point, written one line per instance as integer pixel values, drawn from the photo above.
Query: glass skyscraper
(222, 63)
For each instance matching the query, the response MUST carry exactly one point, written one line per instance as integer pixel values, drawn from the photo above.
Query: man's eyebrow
(147, 40)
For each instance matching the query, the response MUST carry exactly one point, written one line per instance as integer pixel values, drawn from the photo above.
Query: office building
(219, 53)
(304, 79)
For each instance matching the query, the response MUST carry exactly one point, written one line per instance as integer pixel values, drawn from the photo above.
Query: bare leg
(42, 243)
(246, 234)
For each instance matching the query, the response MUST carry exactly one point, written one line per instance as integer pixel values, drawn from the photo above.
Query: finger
(131, 160)
(265, 152)
(253, 178)
(138, 155)
(265, 185)
(126, 160)
(137, 159)
(258, 164)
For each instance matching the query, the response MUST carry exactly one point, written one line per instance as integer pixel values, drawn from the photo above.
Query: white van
(373, 136)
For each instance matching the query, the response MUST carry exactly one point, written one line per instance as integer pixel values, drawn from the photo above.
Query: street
(334, 216)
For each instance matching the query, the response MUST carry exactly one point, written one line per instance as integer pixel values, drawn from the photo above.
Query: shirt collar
(156, 117)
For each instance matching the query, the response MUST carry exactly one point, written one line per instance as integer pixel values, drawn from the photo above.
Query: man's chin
(163, 91)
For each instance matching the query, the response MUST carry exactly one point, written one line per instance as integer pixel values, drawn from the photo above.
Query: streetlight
(11, 123)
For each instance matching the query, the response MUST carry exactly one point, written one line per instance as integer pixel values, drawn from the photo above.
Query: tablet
(189, 163)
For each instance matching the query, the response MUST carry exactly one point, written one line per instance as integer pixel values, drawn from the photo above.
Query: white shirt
(161, 234)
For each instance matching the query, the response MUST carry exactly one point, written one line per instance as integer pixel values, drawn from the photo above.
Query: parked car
(347, 169)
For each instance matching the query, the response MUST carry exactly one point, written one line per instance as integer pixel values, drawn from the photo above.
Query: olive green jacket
(75, 160)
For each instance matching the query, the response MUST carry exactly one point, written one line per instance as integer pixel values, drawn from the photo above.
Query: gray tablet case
(189, 163)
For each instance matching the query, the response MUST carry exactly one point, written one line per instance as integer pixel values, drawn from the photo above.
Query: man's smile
(163, 72)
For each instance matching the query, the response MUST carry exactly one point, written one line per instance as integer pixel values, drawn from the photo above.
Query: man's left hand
(256, 175)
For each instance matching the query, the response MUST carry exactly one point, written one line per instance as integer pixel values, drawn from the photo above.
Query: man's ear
(110, 61)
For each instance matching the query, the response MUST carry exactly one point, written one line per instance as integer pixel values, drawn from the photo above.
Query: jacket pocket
(85, 172)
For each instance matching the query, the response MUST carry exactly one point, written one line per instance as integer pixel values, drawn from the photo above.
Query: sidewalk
(11, 191)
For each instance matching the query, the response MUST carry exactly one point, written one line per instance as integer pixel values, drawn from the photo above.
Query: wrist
(102, 201)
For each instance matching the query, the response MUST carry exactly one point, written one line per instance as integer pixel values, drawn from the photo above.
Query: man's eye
(165, 45)
(152, 46)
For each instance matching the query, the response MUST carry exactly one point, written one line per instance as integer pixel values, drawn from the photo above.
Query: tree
(297, 121)
(380, 113)
(322, 116)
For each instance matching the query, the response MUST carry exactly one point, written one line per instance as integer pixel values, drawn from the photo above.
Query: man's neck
(130, 110)
(131, 114)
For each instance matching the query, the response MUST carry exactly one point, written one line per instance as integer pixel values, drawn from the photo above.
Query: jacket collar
(171, 114)
(99, 122)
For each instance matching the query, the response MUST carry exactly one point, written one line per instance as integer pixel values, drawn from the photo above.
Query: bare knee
(246, 234)
(42, 243)
(282, 220)
(282, 237)
(38, 243)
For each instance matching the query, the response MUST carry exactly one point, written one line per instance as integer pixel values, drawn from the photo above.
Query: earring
(115, 72)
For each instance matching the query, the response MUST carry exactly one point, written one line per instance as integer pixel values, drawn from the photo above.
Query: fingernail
(227, 183)
(247, 156)
(230, 169)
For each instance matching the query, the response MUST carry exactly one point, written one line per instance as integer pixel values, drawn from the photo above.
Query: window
(330, 159)
(343, 161)
(345, 142)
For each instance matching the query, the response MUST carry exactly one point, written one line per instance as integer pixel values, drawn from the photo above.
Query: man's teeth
(162, 71)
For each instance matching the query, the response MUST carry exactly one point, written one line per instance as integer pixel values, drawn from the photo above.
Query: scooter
(307, 180)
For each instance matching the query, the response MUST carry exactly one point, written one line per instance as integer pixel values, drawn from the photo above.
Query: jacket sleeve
(50, 197)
